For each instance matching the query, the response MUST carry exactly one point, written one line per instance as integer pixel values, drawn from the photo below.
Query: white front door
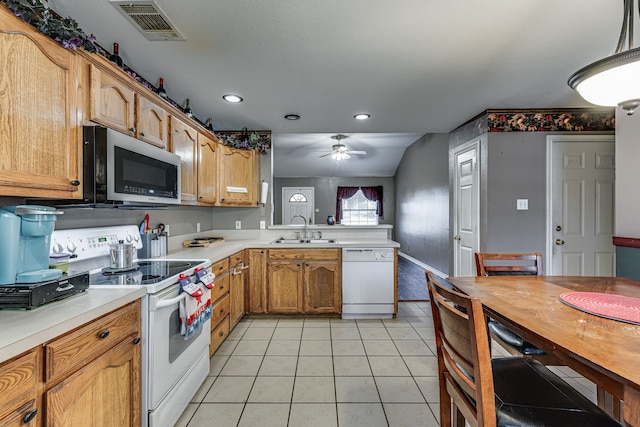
(466, 210)
(297, 201)
(581, 177)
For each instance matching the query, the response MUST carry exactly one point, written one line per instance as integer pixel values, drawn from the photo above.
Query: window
(359, 205)
(297, 197)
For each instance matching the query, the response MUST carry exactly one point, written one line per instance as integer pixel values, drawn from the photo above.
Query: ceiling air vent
(149, 19)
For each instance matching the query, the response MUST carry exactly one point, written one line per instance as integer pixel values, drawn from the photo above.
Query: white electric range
(173, 368)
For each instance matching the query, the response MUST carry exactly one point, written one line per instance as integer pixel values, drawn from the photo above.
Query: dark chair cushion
(513, 339)
(530, 395)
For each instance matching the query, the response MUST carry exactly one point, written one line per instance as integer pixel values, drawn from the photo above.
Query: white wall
(627, 194)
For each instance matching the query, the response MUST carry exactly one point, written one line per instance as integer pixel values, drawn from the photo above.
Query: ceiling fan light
(292, 117)
(339, 155)
(362, 116)
(234, 99)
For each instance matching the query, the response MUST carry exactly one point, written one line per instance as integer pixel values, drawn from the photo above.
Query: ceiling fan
(340, 151)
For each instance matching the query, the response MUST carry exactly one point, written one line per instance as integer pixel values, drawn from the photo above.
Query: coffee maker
(24, 249)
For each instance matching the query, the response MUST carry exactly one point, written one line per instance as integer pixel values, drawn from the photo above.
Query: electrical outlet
(238, 225)
(166, 229)
(197, 227)
(263, 224)
(522, 204)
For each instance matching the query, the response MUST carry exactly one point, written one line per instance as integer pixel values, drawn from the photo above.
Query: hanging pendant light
(614, 80)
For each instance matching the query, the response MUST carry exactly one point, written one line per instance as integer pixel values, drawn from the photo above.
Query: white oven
(177, 366)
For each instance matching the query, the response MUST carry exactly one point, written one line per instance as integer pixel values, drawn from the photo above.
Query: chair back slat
(494, 264)
(464, 360)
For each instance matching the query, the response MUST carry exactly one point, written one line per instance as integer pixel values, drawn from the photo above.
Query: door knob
(558, 228)
(457, 237)
(559, 242)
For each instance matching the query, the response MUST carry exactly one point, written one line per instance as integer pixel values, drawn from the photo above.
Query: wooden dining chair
(485, 392)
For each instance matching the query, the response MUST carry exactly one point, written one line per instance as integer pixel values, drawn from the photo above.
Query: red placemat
(615, 307)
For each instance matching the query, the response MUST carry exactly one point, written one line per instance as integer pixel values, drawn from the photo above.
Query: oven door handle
(168, 302)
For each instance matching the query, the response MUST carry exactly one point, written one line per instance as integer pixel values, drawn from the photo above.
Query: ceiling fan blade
(356, 152)
(325, 155)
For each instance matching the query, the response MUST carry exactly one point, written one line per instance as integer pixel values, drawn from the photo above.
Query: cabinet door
(39, 146)
(184, 143)
(237, 177)
(207, 170)
(322, 287)
(285, 288)
(19, 381)
(257, 281)
(111, 101)
(105, 392)
(151, 122)
(236, 295)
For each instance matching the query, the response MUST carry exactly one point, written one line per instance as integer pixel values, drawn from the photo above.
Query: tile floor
(328, 372)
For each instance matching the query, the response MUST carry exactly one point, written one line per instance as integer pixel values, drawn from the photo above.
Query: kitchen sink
(304, 241)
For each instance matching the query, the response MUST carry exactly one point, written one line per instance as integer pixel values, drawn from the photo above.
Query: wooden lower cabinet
(218, 335)
(105, 392)
(304, 281)
(19, 381)
(220, 298)
(236, 288)
(256, 298)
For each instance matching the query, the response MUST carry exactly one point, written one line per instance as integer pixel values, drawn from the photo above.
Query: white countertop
(23, 330)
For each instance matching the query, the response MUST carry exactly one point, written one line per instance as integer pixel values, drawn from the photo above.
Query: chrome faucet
(304, 236)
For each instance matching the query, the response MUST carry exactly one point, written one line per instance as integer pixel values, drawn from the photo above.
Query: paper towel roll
(265, 190)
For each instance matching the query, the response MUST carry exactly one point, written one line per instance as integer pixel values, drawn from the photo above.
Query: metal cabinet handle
(559, 242)
(29, 415)
(104, 334)
(457, 237)
(132, 130)
(141, 133)
(75, 182)
(136, 340)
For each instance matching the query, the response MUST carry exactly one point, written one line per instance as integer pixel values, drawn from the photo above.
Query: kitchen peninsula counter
(23, 330)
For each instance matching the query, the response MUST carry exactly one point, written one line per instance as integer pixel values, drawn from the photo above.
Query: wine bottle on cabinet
(115, 57)
(160, 91)
(187, 109)
(209, 124)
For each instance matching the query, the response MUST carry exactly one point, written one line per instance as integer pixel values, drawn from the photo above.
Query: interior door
(297, 201)
(466, 208)
(581, 177)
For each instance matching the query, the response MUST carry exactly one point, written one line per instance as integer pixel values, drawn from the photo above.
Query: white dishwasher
(368, 283)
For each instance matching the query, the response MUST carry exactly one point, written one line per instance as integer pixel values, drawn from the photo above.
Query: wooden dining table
(603, 350)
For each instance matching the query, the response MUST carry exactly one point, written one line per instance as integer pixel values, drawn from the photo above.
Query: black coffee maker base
(31, 295)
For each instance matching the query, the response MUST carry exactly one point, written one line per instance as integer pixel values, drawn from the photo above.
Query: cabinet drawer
(218, 335)
(220, 267)
(235, 259)
(79, 347)
(220, 309)
(221, 288)
(27, 414)
(19, 380)
(304, 254)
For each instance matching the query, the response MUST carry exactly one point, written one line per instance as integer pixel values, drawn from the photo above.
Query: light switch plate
(263, 224)
(238, 225)
(522, 204)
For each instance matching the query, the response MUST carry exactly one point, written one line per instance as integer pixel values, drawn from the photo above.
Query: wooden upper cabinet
(39, 148)
(208, 167)
(151, 122)
(184, 143)
(111, 101)
(238, 181)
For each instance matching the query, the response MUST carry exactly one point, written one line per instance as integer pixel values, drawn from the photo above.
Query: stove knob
(57, 248)
(129, 238)
(71, 247)
(136, 237)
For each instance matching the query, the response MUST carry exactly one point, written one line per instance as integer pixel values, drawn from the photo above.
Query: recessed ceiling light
(292, 117)
(232, 98)
(362, 116)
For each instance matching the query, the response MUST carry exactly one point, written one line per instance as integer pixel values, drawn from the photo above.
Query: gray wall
(325, 195)
(422, 201)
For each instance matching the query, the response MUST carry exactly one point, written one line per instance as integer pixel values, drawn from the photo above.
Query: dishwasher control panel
(367, 254)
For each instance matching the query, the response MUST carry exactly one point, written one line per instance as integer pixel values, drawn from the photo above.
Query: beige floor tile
(380, 348)
(264, 415)
(409, 415)
(315, 348)
(242, 366)
(315, 366)
(422, 366)
(348, 348)
(264, 323)
(203, 390)
(224, 414)
(435, 410)
(345, 334)
(369, 323)
(247, 347)
(356, 389)
(226, 348)
(388, 366)
(412, 348)
(426, 333)
(272, 390)
(374, 333)
(351, 366)
(258, 333)
(216, 363)
(290, 323)
(429, 387)
(403, 334)
(314, 389)
(317, 323)
(278, 366)
(313, 415)
(399, 390)
(287, 333)
(309, 334)
(229, 390)
(361, 415)
(235, 335)
(186, 415)
(395, 323)
(342, 323)
(283, 348)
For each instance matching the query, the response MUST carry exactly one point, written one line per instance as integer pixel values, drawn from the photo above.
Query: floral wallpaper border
(244, 139)
(559, 120)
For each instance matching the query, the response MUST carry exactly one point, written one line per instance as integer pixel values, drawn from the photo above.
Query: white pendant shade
(340, 156)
